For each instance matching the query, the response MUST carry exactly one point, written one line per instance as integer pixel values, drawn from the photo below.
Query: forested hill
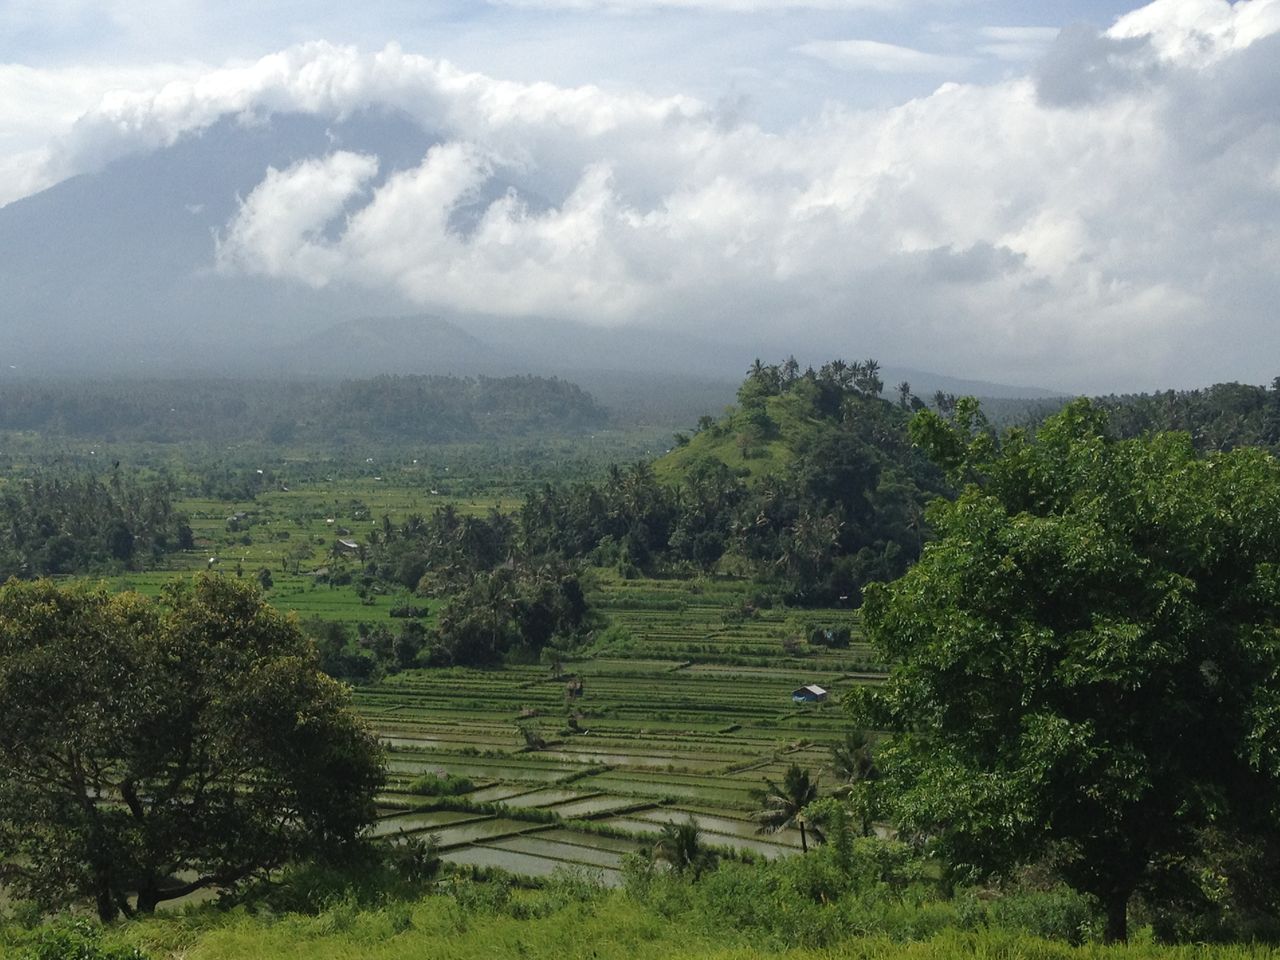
(811, 482)
(399, 408)
(1221, 417)
(1218, 418)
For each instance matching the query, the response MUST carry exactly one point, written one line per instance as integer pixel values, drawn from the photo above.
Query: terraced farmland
(685, 706)
(683, 717)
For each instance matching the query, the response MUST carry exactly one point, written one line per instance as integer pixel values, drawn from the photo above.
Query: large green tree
(1087, 658)
(153, 748)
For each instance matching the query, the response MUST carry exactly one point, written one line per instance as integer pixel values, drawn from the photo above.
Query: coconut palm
(853, 763)
(852, 760)
(680, 845)
(783, 805)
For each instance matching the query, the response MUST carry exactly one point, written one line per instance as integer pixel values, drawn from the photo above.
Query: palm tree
(680, 845)
(853, 763)
(851, 759)
(783, 806)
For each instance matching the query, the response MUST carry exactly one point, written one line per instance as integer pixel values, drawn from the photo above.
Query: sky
(1081, 194)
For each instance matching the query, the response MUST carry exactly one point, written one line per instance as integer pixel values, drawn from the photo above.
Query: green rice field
(685, 705)
(670, 725)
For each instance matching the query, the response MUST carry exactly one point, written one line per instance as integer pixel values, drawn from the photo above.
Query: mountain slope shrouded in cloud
(119, 264)
(1104, 219)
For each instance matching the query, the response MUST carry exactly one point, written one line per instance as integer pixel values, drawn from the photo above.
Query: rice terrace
(680, 711)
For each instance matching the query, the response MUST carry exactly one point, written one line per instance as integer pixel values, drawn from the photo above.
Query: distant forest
(399, 408)
(1221, 417)
(65, 522)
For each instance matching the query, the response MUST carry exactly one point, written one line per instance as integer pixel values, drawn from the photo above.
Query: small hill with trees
(810, 485)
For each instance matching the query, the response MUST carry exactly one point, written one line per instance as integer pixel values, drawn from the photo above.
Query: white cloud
(880, 57)
(281, 224)
(721, 6)
(35, 104)
(1109, 221)
(1016, 44)
(1200, 31)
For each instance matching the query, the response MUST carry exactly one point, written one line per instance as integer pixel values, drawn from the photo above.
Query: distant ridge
(925, 384)
(370, 346)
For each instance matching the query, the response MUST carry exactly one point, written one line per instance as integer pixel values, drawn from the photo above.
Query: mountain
(114, 273)
(114, 270)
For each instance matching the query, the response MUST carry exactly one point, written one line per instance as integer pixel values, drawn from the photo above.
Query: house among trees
(345, 545)
(812, 693)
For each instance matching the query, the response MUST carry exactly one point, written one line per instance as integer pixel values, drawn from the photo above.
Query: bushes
(372, 876)
(76, 939)
(864, 887)
(872, 887)
(1056, 914)
(807, 907)
(435, 785)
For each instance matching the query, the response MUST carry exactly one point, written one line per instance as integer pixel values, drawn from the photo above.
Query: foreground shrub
(76, 939)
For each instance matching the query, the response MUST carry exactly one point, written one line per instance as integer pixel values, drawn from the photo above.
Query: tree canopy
(1088, 659)
(150, 749)
(68, 522)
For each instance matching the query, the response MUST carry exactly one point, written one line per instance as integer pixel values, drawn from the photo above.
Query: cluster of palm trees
(860, 375)
(783, 805)
(73, 522)
(780, 806)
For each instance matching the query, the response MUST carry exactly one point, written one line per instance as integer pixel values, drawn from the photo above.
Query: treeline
(845, 506)
(1218, 418)
(56, 523)
(414, 408)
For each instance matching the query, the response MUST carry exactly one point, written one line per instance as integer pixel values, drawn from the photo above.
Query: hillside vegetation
(316, 413)
(797, 910)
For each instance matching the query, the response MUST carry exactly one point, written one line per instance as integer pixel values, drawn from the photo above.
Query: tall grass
(867, 900)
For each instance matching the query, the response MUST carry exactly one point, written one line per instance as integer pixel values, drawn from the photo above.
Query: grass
(570, 919)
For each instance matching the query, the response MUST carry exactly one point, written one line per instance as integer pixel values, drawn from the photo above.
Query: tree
(1087, 668)
(853, 762)
(153, 749)
(782, 805)
(680, 845)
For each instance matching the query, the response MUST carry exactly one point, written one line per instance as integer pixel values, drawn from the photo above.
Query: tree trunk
(104, 896)
(1117, 929)
(804, 844)
(107, 910)
(148, 897)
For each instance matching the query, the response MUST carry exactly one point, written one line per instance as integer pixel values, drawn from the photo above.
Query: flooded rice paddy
(672, 727)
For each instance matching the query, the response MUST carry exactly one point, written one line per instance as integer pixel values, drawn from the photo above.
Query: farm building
(812, 693)
(347, 546)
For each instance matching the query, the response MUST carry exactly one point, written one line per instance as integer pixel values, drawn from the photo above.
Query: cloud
(1084, 66)
(280, 226)
(35, 102)
(715, 6)
(880, 57)
(1199, 32)
(1107, 221)
(1016, 44)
